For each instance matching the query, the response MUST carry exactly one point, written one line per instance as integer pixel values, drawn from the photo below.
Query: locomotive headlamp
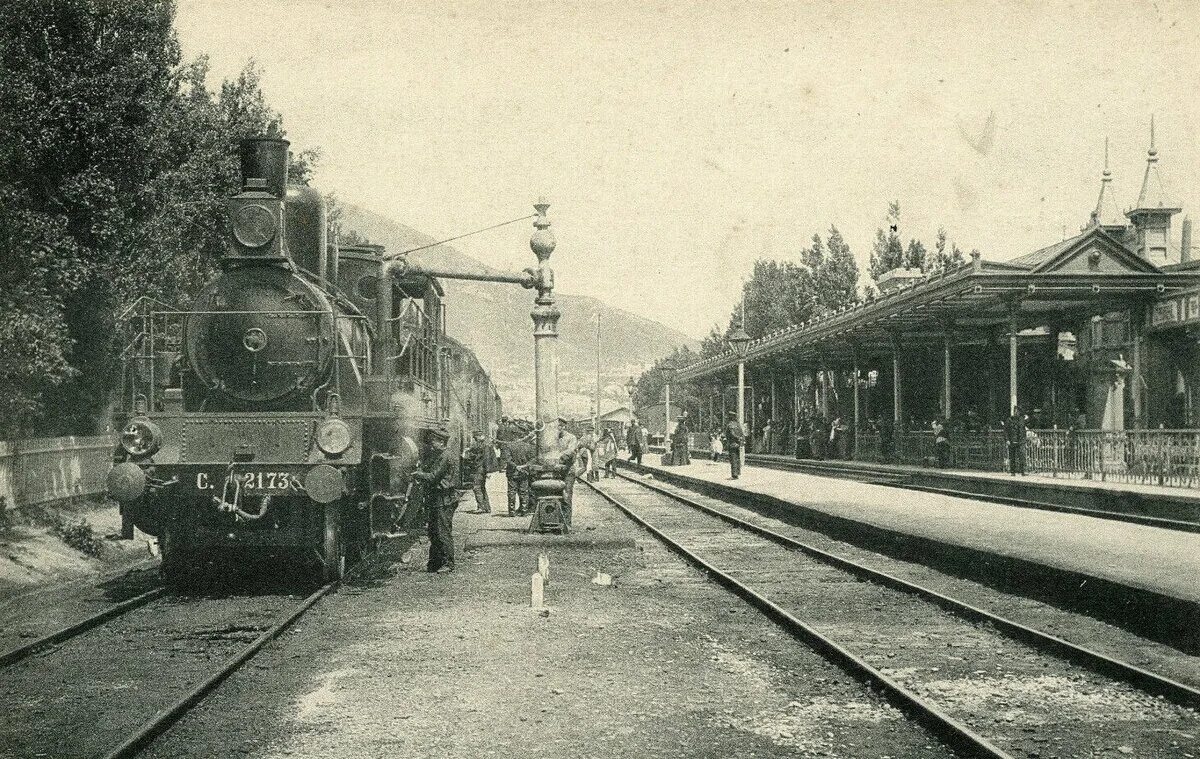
(333, 437)
(141, 438)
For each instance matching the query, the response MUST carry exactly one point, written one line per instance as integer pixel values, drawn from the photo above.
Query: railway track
(132, 670)
(985, 685)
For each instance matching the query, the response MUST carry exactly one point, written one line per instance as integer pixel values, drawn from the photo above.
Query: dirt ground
(34, 558)
(401, 663)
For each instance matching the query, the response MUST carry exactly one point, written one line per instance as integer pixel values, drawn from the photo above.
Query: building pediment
(1095, 252)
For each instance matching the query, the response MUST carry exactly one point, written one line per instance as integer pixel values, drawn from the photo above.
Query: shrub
(80, 536)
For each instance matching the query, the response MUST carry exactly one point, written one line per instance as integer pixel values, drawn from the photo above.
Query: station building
(1095, 338)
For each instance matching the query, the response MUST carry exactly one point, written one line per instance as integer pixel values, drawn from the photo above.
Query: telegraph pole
(596, 417)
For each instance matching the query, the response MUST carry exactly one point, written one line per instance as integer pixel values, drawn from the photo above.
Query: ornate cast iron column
(545, 337)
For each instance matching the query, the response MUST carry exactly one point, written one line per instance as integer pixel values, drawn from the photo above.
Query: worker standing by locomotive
(441, 499)
(569, 461)
(518, 454)
(475, 464)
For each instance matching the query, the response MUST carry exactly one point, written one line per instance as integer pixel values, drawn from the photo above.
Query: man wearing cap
(475, 462)
(517, 455)
(735, 437)
(439, 479)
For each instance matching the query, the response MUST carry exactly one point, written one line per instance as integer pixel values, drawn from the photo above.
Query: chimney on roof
(1152, 216)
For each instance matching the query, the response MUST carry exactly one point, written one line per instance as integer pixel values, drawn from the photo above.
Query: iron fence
(1169, 458)
(1148, 457)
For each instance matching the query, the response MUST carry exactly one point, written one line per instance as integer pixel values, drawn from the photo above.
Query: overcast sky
(677, 142)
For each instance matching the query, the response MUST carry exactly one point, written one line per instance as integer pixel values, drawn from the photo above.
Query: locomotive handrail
(145, 299)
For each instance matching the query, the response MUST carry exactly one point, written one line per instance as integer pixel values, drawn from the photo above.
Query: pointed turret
(1152, 216)
(1106, 215)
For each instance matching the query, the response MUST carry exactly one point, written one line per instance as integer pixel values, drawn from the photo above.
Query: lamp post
(668, 372)
(741, 344)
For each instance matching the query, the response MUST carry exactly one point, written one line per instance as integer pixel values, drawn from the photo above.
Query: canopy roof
(1089, 274)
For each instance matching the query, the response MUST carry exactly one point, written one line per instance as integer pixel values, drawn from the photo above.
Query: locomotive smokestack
(265, 158)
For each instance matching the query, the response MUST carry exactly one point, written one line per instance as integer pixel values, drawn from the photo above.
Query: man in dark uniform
(681, 442)
(633, 439)
(475, 464)
(735, 438)
(1014, 433)
(438, 478)
(568, 460)
(518, 454)
(819, 436)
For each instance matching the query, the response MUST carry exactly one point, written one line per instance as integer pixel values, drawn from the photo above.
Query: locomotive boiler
(282, 411)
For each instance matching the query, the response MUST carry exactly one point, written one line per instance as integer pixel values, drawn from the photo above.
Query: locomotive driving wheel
(333, 545)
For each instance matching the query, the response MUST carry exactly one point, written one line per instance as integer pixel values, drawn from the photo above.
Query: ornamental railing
(1145, 457)
(1149, 457)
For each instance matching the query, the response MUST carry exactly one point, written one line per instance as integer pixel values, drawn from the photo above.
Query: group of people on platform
(820, 438)
(444, 477)
(514, 451)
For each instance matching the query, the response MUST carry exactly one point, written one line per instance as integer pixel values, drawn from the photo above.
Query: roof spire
(1152, 216)
(1153, 195)
(1106, 213)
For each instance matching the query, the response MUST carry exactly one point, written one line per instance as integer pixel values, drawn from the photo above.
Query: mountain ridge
(493, 320)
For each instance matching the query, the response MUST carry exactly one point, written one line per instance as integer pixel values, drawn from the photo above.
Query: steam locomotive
(283, 411)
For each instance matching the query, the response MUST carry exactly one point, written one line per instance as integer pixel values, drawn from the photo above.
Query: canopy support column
(897, 395)
(1012, 359)
(946, 376)
(857, 426)
(1136, 321)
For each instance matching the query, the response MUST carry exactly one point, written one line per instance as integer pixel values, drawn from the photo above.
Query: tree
(113, 169)
(943, 260)
(836, 279)
(651, 385)
(887, 252)
(715, 343)
(778, 294)
(915, 255)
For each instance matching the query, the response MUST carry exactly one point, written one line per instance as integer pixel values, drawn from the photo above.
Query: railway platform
(1162, 506)
(1128, 574)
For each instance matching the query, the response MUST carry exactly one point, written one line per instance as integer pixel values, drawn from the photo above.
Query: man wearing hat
(735, 437)
(439, 479)
(681, 453)
(518, 454)
(475, 460)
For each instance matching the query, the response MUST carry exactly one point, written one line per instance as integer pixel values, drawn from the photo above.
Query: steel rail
(165, 718)
(1150, 682)
(953, 732)
(867, 476)
(77, 628)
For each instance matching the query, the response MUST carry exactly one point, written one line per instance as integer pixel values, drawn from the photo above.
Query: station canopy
(1087, 275)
